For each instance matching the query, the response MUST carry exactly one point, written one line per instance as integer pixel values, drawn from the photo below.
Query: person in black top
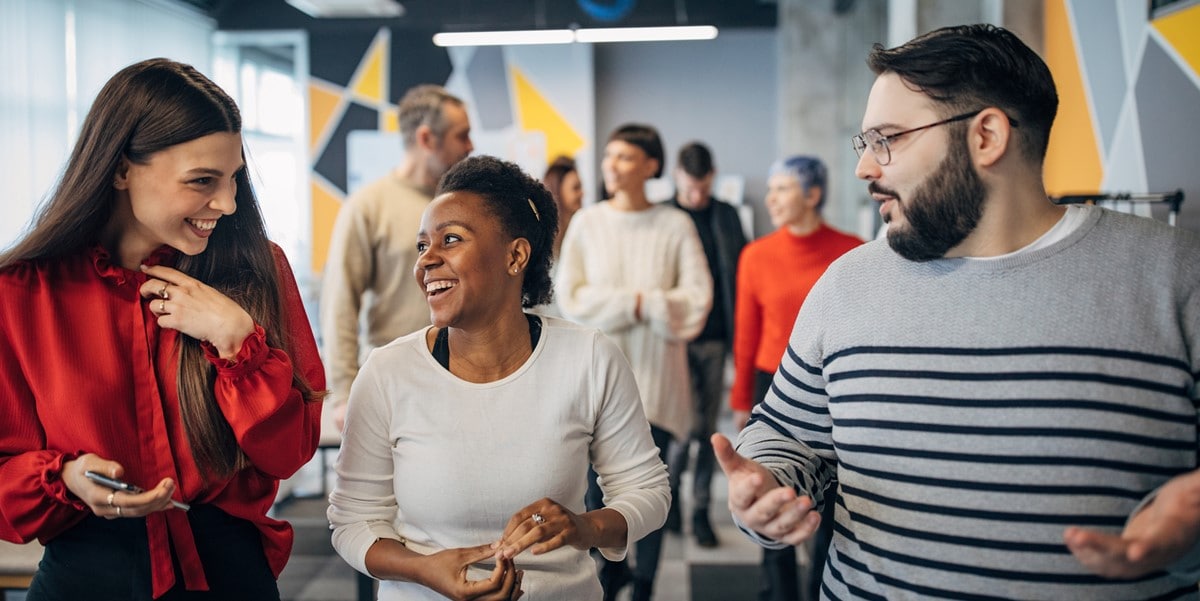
(721, 234)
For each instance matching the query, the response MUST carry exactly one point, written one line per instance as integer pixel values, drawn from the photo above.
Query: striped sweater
(969, 411)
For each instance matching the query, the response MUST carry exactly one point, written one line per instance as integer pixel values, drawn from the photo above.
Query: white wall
(55, 55)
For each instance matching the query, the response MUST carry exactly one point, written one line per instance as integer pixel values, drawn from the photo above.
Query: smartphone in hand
(123, 486)
(113, 483)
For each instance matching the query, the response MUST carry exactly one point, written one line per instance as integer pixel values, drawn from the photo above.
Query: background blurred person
(722, 237)
(775, 275)
(153, 334)
(467, 442)
(366, 284)
(637, 271)
(562, 180)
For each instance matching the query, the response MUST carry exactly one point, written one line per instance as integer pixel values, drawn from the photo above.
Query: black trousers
(780, 576)
(109, 560)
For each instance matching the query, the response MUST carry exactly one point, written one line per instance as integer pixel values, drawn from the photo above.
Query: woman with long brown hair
(153, 335)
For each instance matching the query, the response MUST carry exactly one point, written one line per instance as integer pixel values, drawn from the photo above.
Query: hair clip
(536, 215)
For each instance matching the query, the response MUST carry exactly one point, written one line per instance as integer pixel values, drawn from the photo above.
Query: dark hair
(555, 174)
(971, 67)
(508, 193)
(145, 108)
(423, 105)
(696, 160)
(644, 137)
(808, 170)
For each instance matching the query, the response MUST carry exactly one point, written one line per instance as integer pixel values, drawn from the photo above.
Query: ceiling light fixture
(504, 38)
(566, 36)
(646, 34)
(349, 9)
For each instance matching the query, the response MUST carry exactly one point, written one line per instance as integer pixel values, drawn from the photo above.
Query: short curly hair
(525, 209)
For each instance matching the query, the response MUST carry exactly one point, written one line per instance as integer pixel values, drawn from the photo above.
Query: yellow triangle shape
(322, 110)
(1179, 29)
(326, 203)
(369, 84)
(537, 114)
(1073, 158)
(390, 118)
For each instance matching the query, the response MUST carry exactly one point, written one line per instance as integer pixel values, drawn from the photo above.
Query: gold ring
(163, 293)
(162, 306)
(111, 496)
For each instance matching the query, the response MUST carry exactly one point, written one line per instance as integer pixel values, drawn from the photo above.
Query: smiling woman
(175, 197)
(637, 271)
(150, 263)
(462, 471)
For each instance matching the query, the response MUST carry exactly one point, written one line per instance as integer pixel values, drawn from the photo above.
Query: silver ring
(163, 293)
(118, 511)
(537, 518)
(111, 496)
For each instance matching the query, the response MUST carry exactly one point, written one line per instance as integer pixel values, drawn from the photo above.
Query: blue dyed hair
(807, 170)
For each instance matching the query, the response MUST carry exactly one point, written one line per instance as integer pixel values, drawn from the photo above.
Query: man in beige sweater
(368, 297)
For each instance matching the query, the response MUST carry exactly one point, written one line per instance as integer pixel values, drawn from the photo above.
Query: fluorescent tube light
(566, 36)
(505, 38)
(646, 34)
(349, 9)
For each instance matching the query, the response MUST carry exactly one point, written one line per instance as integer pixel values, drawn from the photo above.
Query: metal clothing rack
(1173, 199)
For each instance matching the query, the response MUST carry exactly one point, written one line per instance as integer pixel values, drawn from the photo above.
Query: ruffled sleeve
(274, 425)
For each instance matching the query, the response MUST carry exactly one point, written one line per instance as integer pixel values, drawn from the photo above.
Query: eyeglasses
(880, 144)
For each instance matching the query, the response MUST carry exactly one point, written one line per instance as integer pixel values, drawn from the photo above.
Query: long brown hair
(145, 108)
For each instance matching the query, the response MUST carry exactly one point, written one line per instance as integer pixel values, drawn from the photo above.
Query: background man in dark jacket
(721, 233)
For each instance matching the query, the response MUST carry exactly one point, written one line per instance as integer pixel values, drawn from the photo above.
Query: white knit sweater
(444, 463)
(610, 256)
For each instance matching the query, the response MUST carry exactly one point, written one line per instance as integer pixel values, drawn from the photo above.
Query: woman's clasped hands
(447, 574)
(540, 527)
(544, 526)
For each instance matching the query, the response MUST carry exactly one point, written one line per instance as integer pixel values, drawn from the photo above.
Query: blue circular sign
(614, 10)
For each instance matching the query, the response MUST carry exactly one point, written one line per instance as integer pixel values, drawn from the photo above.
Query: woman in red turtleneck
(775, 274)
(153, 334)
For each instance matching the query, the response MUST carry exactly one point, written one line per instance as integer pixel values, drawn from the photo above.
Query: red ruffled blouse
(85, 368)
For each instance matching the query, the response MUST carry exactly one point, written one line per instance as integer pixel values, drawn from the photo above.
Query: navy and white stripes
(967, 426)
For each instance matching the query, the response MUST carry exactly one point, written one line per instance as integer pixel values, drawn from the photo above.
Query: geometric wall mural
(1129, 101)
(359, 97)
(526, 104)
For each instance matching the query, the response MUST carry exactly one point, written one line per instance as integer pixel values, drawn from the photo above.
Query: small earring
(514, 270)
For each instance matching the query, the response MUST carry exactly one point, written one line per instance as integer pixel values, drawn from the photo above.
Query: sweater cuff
(52, 481)
(253, 353)
(654, 306)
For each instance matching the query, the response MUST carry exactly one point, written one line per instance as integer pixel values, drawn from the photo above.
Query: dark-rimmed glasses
(879, 143)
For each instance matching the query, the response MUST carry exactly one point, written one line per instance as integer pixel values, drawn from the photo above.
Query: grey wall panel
(1169, 112)
(1098, 34)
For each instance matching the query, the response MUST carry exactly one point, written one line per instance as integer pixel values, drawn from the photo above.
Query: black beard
(942, 211)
